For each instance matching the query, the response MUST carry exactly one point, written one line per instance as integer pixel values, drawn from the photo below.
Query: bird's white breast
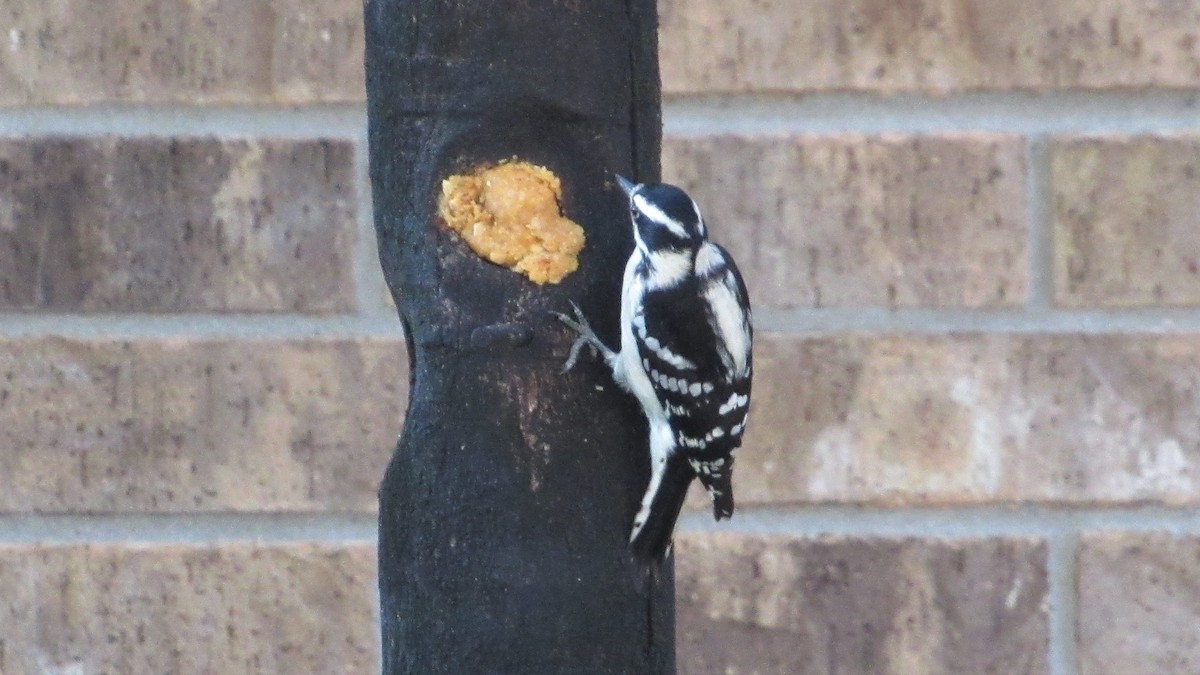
(636, 377)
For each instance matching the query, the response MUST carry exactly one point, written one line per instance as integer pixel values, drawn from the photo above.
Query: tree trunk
(506, 510)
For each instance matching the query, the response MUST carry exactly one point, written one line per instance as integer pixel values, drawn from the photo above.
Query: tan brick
(154, 225)
(228, 608)
(853, 220)
(1139, 604)
(776, 604)
(940, 46)
(934, 419)
(1125, 221)
(197, 425)
(217, 51)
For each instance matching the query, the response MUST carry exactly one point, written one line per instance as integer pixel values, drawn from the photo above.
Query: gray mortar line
(1075, 112)
(192, 528)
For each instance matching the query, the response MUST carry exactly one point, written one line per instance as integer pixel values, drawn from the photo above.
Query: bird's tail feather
(654, 525)
(720, 490)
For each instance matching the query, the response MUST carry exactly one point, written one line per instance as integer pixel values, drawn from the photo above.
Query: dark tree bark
(506, 510)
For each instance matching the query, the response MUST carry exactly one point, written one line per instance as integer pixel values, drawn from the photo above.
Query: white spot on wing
(728, 405)
(670, 357)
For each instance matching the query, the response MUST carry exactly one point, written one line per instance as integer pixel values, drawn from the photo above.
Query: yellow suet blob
(509, 214)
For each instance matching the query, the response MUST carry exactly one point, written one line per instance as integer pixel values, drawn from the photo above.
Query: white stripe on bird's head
(658, 216)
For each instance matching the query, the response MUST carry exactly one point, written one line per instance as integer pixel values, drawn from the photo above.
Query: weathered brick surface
(177, 225)
(152, 609)
(227, 51)
(853, 220)
(154, 225)
(1139, 604)
(197, 425)
(931, 419)
(947, 46)
(875, 606)
(1126, 224)
(302, 51)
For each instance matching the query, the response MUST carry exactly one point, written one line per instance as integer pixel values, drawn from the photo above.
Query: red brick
(1125, 214)
(875, 606)
(1139, 603)
(197, 425)
(885, 46)
(222, 608)
(217, 51)
(194, 224)
(973, 418)
(849, 220)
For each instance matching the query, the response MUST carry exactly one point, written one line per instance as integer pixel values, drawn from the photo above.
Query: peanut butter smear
(509, 214)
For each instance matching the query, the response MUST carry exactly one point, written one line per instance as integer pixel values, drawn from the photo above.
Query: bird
(685, 355)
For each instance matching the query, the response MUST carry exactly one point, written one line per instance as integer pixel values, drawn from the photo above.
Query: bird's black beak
(627, 185)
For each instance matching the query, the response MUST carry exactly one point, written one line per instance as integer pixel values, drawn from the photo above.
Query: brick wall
(970, 229)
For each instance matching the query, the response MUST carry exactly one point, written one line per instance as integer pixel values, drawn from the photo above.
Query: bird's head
(665, 219)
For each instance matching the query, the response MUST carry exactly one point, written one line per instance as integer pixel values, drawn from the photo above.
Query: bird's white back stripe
(709, 260)
(733, 336)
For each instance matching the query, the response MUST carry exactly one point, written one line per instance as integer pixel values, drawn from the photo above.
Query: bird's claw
(578, 323)
(573, 356)
(587, 337)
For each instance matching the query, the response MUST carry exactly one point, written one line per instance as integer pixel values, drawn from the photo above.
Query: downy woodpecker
(685, 354)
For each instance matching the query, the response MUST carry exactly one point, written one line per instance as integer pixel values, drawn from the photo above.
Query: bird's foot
(587, 337)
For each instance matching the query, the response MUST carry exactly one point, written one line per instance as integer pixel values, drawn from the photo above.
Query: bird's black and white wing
(694, 341)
